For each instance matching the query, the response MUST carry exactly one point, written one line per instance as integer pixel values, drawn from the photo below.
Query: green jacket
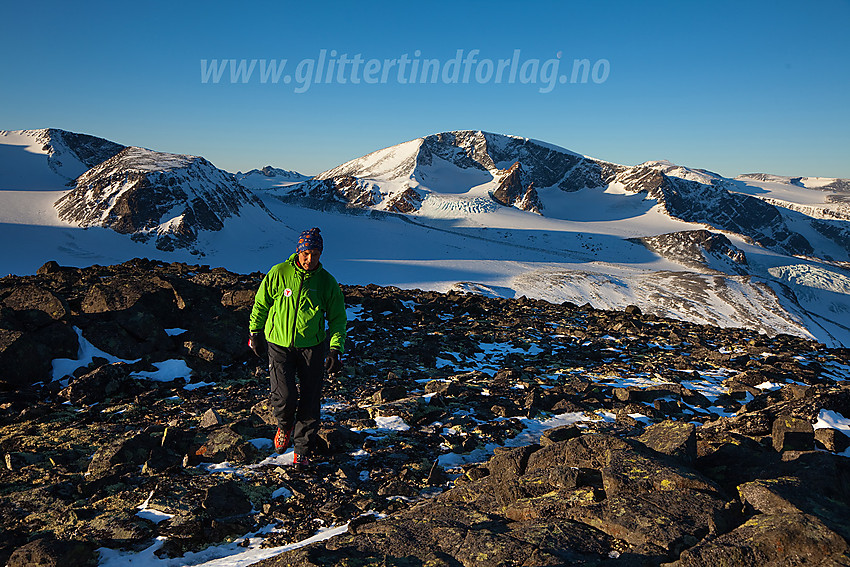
(292, 305)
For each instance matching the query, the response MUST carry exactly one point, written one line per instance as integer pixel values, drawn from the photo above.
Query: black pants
(297, 405)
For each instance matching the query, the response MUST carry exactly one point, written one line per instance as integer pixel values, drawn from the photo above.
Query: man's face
(309, 259)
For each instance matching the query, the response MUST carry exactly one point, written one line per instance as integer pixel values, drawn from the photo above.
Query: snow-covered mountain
(468, 164)
(472, 211)
(49, 158)
(525, 173)
(269, 177)
(149, 194)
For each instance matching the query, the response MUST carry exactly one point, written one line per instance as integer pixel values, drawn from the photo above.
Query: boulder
(389, 394)
(35, 306)
(109, 336)
(103, 382)
(334, 438)
(793, 434)
(832, 439)
(26, 356)
(558, 434)
(443, 387)
(211, 418)
(134, 449)
(51, 552)
(225, 500)
(120, 293)
(675, 438)
(224, 444)
(263, 410)
(816, 483)
(770, 540)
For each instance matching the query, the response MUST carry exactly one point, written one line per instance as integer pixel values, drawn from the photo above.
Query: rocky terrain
(465, 430)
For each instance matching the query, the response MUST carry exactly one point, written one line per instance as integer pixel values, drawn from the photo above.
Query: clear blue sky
(733, 87)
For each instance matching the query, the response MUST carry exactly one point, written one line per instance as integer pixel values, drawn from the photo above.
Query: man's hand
(257, 342)
(332, 363)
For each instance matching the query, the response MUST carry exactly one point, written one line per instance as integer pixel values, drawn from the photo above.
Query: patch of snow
(388, 423)
(282, 492)
(240, 553)
(261, 443)
(148, 513)
(834, 420)
(197, 385)
(166, 371)
(65, 366)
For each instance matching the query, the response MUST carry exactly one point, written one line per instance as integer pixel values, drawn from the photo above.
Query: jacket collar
(294, 261)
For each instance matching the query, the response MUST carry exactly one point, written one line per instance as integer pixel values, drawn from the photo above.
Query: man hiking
(290, 309)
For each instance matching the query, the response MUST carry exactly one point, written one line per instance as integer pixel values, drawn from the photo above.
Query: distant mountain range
(269, 177)
(514, 171)
(135, 191)
(762, 251)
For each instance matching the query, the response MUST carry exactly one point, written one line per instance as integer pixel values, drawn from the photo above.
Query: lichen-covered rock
(793, 434)
(103, 382)
(36, 306)
(832, 439)
(133, 449)
(223, 443)
(52, 552)
(771, 540)
(673, 438)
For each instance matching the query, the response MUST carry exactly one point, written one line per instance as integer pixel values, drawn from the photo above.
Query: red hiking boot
(300, 462)
(282, 439)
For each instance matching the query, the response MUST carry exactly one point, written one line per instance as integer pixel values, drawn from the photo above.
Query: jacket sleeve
(263, 301)
(337, 319)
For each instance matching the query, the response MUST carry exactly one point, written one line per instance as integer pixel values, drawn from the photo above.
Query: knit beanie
(310, 240)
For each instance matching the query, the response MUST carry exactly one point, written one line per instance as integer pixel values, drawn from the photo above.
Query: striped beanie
(310, 240)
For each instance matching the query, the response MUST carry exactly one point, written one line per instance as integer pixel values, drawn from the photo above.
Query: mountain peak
(67, 155)
(270, 178)
(149, 194)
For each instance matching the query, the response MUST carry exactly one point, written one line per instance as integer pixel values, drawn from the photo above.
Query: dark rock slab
(26, 356)
(52, 552)
(674, 438)
(36, 306)
(558, 434)
(771, 540)
(101, 383)
(832, 439)
(133, 449)
(225, 500)
(793, 434)
(389, 394)
(817, 484)
(670, 520)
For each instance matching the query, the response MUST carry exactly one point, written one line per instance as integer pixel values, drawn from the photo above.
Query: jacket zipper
(297, 305)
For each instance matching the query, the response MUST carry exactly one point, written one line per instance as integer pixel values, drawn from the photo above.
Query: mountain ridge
(691, 195)
(168, 197)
